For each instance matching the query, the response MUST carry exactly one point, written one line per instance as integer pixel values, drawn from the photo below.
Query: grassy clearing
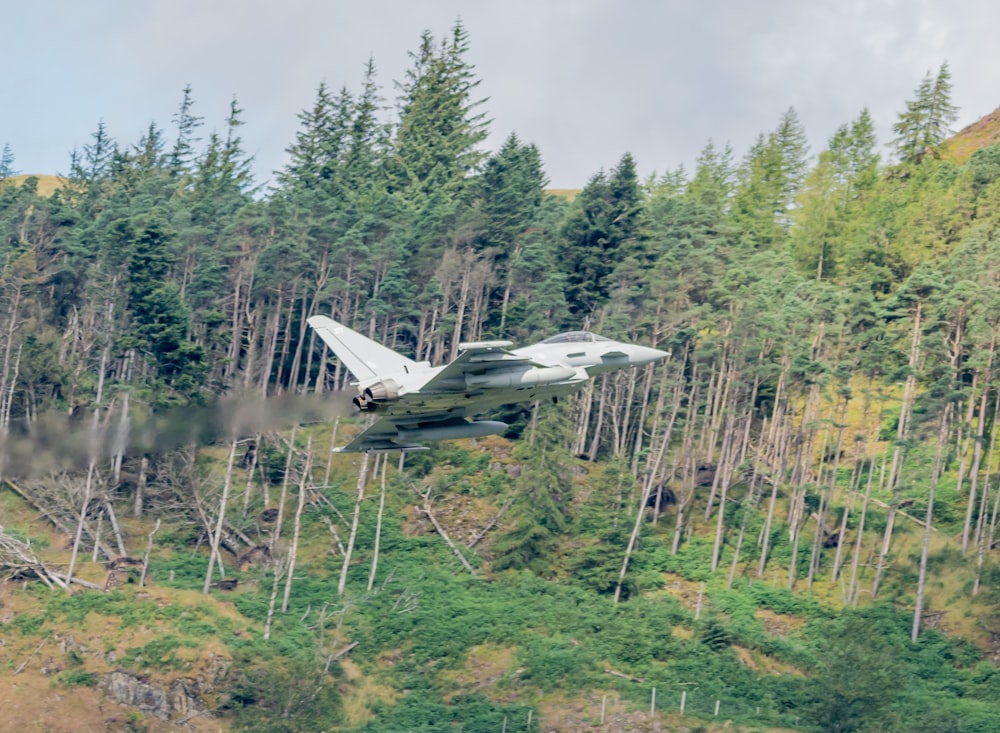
(47, 185)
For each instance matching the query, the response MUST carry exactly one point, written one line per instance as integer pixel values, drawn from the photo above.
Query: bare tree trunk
(284, 492)
(426, 509)
(826, 499)
(851, 493)
(726, 459)
(777, 442)
(533, 424)
(114, 526)
(596, 440)
(250, 472)
(585, 403)
(217, 535)
(378, 521)
(279, 570)
(329, 456)
(236, 327)
(962, 438)
(710, 393)
(271, 330)
(293, 550)
(987, 545)
(140, 487)
(749, 503)
(81, 521)
(925, 546)
(362, 478)
(6, 381)
(653, 472)
(640, 432)
(622, 431)
(463, 298)
(279, 380)
(94, 449)
(149, 550)
(249, 362)
(310, 353)
(854, 587)
(293, 373)
(795, 525)
(977, 453)
(898, 454)
(686, 494)
(640, 513)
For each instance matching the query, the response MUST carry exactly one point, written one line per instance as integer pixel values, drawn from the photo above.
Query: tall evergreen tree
(768, 181)
(712, 184)
(7, 162)
(511, 189)
(601, 231)
(440, 128)
(854, 158)
(307, 155)
(187, 123)
(926, 122)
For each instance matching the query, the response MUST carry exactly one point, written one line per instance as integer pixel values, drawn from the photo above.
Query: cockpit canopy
(574, 337)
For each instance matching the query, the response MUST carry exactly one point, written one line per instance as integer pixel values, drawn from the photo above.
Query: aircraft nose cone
(645, 355)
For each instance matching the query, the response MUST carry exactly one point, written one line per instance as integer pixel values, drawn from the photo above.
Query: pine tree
(511, 189)
(308, 154)
(601, 231)
(7, 163)
(925, 124)
(817, 222)
(768, 181)
(712, 184)
(181, 155)
(853, 155)
(543, 509)
(440, 130)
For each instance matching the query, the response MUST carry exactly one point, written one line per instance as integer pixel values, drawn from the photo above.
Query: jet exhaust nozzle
(387, 389)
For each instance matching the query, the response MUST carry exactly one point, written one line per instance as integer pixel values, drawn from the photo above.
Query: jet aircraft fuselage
(416, 402)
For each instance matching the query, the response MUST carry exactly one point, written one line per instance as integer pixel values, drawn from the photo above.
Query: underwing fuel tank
(521, 377)
(475, 429)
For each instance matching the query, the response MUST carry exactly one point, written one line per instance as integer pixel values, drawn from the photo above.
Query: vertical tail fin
(364, 358)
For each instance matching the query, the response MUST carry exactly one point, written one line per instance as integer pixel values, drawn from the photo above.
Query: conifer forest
(788, 525)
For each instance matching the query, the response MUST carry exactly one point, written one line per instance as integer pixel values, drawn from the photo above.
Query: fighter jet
(415, 402)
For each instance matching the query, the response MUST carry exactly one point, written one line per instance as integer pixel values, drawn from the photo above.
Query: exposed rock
(257, 556)
(185, 698)
(128, 689)
(69, 644)
(180, 699)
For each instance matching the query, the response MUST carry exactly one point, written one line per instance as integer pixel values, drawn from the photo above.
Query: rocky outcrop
(180, 699)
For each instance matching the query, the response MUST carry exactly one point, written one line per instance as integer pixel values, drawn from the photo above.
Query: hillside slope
(428, 642)
(982, 133)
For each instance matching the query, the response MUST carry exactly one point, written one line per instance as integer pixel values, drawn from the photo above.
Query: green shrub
(159, 653)
(28, 624)
(78, 677)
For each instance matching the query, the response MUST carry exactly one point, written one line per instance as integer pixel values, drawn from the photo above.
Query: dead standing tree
(362, 478)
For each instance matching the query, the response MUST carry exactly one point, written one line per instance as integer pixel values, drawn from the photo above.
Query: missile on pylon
(474, 429)
(521, 377)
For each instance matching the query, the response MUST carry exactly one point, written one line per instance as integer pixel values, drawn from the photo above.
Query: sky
(584, 80)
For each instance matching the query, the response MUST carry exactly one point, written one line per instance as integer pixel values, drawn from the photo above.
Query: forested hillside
(789, 524)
